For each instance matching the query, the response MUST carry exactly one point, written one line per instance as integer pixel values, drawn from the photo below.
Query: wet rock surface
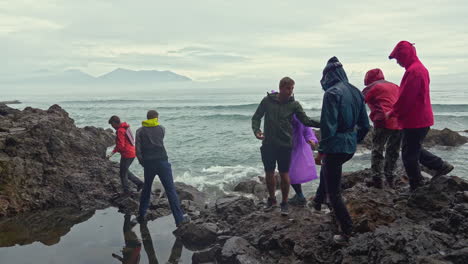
(47, 162)
(427, 227)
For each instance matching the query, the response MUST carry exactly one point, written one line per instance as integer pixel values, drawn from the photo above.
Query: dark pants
(388, 140)
(163, 169)
(125, 174)
(412, 153)
(330, 185)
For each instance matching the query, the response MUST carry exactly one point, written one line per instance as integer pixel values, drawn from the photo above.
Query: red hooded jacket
(122, 143)
(413, 108)
(380, 96)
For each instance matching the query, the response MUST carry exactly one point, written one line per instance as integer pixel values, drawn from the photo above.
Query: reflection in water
(148, 244)
(132, 248)
(46, 227)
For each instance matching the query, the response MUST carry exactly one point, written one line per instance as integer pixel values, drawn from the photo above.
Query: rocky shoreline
(46, 162)
(428, 227)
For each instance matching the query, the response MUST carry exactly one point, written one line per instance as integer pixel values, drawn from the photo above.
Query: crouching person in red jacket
(125, 145)
(380, 96)
(414, 113)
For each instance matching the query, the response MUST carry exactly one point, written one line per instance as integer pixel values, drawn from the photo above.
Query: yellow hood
(150, 122)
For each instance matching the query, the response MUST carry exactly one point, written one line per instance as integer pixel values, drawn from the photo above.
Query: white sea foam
(219, 176)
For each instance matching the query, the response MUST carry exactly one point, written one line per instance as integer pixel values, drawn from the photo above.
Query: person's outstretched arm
(119, 141)
(303, 118)
(257, 120)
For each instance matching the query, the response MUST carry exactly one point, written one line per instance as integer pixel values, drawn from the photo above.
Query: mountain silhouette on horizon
(117, 76)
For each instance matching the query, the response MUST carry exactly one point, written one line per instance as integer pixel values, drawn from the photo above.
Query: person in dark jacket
(380, 95)
(343, 124)
(152, 155)
(278, 109)
(125, 145)
(413, 111)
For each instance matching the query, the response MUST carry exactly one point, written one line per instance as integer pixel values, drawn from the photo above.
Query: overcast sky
(215, 39)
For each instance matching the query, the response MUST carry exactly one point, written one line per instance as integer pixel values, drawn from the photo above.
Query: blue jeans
(163, 169)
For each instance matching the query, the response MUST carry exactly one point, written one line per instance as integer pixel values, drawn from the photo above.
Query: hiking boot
(140, 187)
(341, 239)
(270, 204)
(375, 182)
(313, 204)
(284, 209)
(446, 168)
(297, 201)
(390, 182)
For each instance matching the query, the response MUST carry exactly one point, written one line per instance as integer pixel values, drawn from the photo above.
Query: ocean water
(209, 139)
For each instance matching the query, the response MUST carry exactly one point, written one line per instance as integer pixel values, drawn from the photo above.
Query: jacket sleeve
(257, 117)
(378, 117)
(362, 124)
(139, 153)
(328, 120)
(303, 118)
(119, 141)
(408, 93)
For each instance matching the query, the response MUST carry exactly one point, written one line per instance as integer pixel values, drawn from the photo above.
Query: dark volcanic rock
(47, 162)
(237, 250)
(252, 187)
(428, 227)
(444, 137)
(190, 193)
(197, 236)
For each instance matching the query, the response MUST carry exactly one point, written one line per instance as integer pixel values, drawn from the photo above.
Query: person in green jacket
(278, 109)
(343, 124)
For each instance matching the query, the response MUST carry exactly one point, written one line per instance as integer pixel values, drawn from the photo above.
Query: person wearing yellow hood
(152, 155)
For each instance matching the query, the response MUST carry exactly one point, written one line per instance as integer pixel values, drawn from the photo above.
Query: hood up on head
(405, 53)
(373, 76)
(333, 73)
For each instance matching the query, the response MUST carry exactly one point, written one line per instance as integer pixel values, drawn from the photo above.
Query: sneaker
(341, 239)
(271, 203)
(138, 220)
(297, 201)
(185, 220)
(284, 208)
(446, 169)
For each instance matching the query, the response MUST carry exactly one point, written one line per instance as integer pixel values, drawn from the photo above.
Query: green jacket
(278, 117)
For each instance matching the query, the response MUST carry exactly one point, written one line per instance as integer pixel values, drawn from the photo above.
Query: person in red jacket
(125, 145)
(414, 113)
(380, 96)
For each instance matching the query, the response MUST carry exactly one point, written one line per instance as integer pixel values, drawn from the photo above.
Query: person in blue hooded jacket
(343, 124)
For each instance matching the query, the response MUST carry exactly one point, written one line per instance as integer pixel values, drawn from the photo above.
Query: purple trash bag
(302, 167)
